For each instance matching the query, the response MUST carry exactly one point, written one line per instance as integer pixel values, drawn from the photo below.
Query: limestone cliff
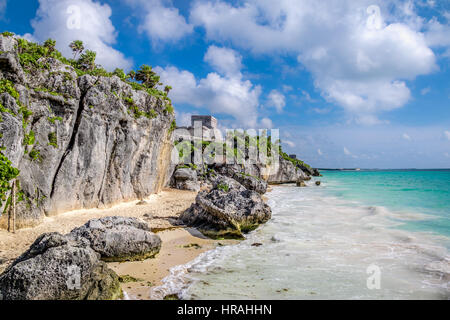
(79, 140)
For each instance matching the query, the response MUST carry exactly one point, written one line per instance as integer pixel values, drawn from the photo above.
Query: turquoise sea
(426, 192)
(360, 235)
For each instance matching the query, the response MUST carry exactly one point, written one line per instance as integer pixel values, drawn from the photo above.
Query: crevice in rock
(81, 107)
(107, 169)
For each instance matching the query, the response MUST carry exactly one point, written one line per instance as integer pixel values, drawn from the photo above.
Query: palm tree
(50, 45)
(87, 60)
(167, 89)
(148, 77)
(77, 47)
(131, 75)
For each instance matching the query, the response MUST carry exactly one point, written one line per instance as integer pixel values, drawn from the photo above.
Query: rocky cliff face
(78, 141)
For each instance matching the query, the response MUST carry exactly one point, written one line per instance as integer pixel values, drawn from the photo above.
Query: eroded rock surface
(186, 179)
(227, 211)
(57, 267)
(119, 239)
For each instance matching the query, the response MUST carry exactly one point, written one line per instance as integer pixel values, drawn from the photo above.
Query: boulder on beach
(227, 211)
(318, 183)
(186, 179)
(119, 239)
(57, 267)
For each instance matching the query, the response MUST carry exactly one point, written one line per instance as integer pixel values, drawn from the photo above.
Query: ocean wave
(322, 244)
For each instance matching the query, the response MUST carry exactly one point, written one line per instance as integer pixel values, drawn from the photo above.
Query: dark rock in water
(316, 173)
(172, 297)
(186, 179)
(257, 244)
(275, 238)
(227, 211)
(119, 238)
(318, 183)
(301, 183)
(56, 267)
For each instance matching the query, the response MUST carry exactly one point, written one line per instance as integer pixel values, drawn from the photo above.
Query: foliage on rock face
(7, 173)
(224, 187)
(8, 87)
(295, 162)
(145, 79)
(242, 144)
(53, 140)
(35, 155)
(173, 126)
(29, 139)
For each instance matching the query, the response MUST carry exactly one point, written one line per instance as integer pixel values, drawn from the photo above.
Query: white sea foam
(318, 246)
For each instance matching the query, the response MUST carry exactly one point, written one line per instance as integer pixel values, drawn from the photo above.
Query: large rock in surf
(227, 211)
(56, 267)
(119, 239)
(286, 172)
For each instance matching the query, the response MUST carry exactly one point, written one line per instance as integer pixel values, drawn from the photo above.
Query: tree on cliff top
(147, 76)
(131, 75)
(50, 44)
(77, 47)
(87, 60)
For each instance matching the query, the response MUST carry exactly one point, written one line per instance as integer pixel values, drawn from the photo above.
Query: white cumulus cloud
(277, 100)
(227, 94)
(266, 123)
(359, 53)
(86, 20)
(347, 152)
(161, 21)
(226, 61)
(447, 135)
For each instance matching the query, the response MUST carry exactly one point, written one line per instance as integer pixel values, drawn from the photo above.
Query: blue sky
(348, 83)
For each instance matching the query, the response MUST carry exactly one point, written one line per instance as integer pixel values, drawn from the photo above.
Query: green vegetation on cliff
(7, 173)
(144, 79)
(242, 144)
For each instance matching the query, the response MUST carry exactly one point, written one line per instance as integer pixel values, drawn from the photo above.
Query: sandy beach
(179, 245)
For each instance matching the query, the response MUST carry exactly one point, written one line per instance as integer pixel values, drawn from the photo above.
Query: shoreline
(355, 237)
